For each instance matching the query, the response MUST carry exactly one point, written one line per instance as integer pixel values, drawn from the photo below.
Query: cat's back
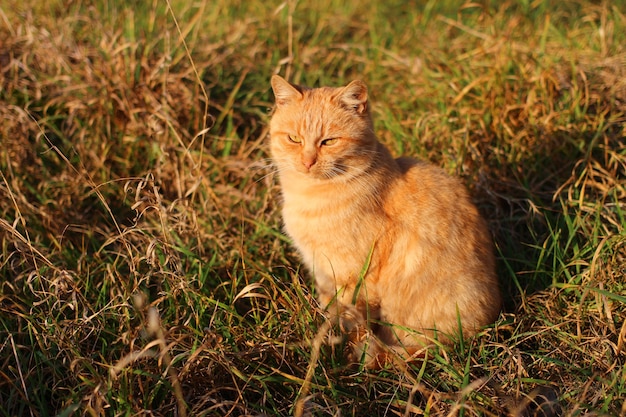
(424, 187)
(434, 210)
(444, 248)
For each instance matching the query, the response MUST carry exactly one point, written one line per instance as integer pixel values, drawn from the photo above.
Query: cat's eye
(329, 141)
(294, 139)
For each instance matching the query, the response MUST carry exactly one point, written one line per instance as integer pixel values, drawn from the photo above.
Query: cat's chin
(317, 176)
(314, 176)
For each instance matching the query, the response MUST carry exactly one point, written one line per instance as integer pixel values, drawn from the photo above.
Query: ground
(143, 269)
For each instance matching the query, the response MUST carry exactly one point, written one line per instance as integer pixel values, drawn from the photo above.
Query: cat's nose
(308, 161)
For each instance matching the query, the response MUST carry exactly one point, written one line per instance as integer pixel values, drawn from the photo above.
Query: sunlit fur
(431, 264)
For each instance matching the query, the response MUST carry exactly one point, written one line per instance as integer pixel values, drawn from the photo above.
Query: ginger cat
(396, 244)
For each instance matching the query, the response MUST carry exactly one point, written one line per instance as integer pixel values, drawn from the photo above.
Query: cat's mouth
(326, 172)
(316, 171)
(313, 172)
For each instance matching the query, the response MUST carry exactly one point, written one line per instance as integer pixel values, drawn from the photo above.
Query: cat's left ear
(354, 95)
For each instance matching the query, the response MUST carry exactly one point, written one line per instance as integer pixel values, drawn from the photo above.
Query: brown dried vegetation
(142, 266)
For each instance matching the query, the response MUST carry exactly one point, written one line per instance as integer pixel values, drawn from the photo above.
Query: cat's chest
(311, 221)
(331, 225)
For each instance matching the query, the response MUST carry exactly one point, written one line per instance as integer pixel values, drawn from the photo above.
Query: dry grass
(142, 266)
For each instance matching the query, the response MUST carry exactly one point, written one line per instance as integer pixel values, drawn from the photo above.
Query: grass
(142, 266)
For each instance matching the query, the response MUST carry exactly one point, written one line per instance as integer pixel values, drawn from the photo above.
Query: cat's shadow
(525, 214)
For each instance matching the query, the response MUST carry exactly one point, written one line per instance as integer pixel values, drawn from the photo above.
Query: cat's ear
(284, 91)
(354, 95)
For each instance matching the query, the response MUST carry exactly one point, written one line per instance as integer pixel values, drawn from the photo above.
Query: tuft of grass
(142, 266)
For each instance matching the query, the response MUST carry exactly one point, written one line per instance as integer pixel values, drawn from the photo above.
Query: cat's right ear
(284, 91)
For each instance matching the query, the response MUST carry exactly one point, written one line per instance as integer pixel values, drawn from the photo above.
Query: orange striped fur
(387, 240)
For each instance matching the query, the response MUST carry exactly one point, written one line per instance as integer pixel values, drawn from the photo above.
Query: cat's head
(321, 133)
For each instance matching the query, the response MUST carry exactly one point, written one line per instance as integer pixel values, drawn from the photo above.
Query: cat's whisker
(269, 174)
(352, 172)
(261, 165)
(275, 166)
(267, 165)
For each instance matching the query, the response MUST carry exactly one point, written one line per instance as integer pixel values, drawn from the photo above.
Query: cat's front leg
(358, 323)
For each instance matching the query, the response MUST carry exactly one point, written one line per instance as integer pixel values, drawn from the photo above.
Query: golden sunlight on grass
(142, 264)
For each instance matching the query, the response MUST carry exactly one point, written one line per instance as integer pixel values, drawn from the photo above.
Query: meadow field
(143, 270)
